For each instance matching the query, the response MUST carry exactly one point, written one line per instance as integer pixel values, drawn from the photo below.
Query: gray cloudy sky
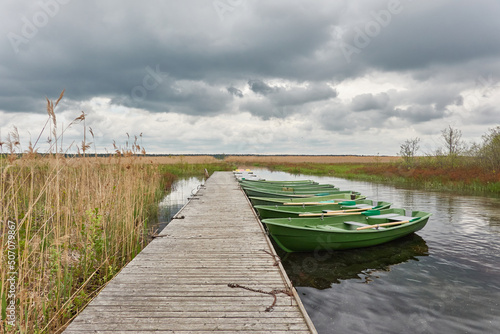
(243, 76)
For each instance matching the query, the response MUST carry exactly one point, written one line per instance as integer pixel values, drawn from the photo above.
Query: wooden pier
(206, 272)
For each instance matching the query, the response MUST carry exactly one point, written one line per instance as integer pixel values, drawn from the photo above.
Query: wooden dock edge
(309, 326)
(283, 273)
(185, 205)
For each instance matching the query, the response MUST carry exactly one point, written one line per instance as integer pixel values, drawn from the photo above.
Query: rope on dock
(276, 257)
(272, 293)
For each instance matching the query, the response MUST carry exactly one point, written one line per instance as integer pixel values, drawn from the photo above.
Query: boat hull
(283, 183)
(304, 239)
(282, 211)
(289, 188)
(284, 194)
(340, 195)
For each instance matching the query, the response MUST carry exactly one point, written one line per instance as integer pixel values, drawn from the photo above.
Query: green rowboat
(294, 190)
(344, 232)
(287, 183)
(342, 208)
(290, 188)
(290, 194)
(337, 266)
(314, 200)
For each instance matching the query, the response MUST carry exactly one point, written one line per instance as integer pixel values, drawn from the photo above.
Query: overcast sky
(243, 76)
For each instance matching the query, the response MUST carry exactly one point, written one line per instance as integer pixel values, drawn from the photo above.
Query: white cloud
(266, 77)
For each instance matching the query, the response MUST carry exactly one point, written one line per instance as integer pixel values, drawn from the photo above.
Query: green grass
(185, 169)
(464, 179)
(337, 170)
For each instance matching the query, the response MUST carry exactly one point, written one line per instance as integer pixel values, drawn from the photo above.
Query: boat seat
(328, 228)
(385, 216)
(357, 206)
(360, 224)
(401, 218)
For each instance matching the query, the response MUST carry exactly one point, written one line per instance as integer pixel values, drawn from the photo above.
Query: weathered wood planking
(179, 282)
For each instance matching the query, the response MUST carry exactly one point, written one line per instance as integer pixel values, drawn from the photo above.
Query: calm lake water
(442, 279)
(171, 204)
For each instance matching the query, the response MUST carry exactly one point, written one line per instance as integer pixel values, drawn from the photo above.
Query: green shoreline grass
(186, 169)
(463, 180)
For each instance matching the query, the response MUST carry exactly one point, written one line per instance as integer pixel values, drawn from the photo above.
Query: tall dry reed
(68, 225)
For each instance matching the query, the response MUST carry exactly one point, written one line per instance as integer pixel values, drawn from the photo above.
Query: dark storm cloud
(180, 56)
(95, 49)
(334, 119)
(419, 114)
(235, 91)
(303, 95)
(369, 101)
(170, 95)
(103, 49)
(260, 87)
(281, 102)
(432, 99)
(414, 35)
(265, 109)
(459, 100)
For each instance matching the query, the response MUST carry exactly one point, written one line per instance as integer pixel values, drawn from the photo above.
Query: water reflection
(181, 191)
(322, 269)
(443, 279)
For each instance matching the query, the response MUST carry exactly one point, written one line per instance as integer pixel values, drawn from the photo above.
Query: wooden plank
(118, 311)
(194, 280)
(183, 294)
(245, 303)
(84, 330)
(145, 324)
(252, 270)
(206, 264)
(160, 289)
(254, 311)
(189, 271)
(179, 282)
(259, 267)
(105, 318)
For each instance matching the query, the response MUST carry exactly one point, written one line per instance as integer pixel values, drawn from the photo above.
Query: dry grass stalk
(78, 221)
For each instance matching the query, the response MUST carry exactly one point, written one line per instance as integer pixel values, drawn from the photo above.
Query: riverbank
(460, 176)
(250, 160)
(468, 179)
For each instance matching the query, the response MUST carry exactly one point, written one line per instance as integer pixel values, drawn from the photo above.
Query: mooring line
(276, 258)
(272, 293)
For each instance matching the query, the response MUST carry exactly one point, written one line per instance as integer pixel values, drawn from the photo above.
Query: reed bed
(67, 227)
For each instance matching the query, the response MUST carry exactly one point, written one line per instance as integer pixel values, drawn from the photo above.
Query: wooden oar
(309, 203)
(320, 203)
(365, 213)
(376, 226)
(350, 210)
(355, 210)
